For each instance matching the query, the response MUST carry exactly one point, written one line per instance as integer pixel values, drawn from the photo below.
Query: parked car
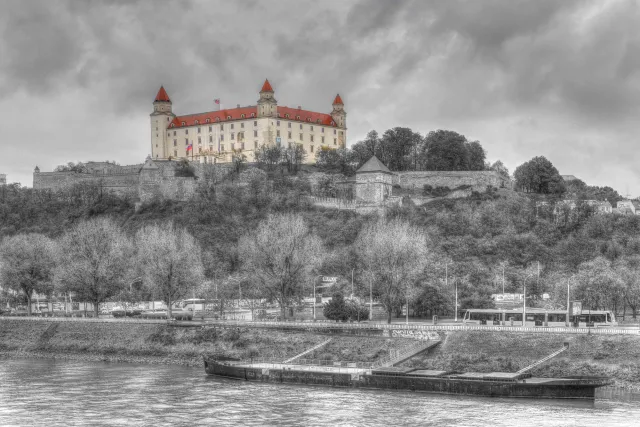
(121, 312)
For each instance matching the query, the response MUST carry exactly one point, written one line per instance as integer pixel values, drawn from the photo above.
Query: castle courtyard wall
(478, 180)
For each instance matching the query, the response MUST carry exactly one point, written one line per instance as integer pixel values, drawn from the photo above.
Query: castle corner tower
(339, 116)
(160, 119)
(267, 104)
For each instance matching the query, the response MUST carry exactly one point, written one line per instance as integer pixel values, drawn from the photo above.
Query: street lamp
(524, 300)
(568, 303)
(314, 296)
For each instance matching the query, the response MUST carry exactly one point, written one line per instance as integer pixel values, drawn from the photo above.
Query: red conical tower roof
(266, 87)
(338, 100)
(162, 95)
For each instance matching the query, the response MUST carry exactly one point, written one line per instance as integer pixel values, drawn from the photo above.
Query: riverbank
(479, 351)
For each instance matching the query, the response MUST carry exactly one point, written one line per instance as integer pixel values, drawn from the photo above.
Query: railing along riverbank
(325, 325)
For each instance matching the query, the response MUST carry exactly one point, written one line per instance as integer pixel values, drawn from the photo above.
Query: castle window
(210, 138)
(341, 133)
(311, 128)
(242, 125)
(175, 142)
(174, 132)
(300, 127)
(322, 130)
(333, 123)
(186, 141)
(222, 137)
(255, 144)
(228, 117)
(311, 138)
(199, 140)
(210, 128)
(232, 135)
(289, 135)
(277, 124)
(335, 141)
(311, 148)
(289, 125)
(231, 125)
(278, 133)
(317, 120)
(308, 119)
(171, 125)
(207, 121)
(168, 133)
(253, 114)
(287, 116)
(323, 139)
(175, 153)
(255, 133)
(242, 145)
(297, 117)
(196, 122)
(183, 123)
(217, 119)
(242, 116)
(334, 131)
(221, 127)
(167, 118)
(186, 131)
(199, 129)
(199, 149)
(301, 137)
(222, 147)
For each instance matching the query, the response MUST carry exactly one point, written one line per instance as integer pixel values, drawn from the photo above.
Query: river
(50, 392)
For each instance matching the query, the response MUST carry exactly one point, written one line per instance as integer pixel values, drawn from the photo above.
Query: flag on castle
(217, 102)
(190, 147)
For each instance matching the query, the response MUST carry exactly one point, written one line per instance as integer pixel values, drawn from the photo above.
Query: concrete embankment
(161, 343)
(616, 356)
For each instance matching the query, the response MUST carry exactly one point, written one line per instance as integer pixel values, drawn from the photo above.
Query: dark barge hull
(559, 388)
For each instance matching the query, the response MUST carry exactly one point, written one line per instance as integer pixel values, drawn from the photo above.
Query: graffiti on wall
(415, 334)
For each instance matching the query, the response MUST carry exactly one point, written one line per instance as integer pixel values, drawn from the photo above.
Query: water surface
(49, 392)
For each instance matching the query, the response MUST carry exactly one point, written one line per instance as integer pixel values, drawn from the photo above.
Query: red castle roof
(162, 95)
(231, 114)
(266, 87)
(338, 100)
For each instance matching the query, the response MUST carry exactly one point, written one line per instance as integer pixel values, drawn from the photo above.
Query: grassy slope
(614, 356)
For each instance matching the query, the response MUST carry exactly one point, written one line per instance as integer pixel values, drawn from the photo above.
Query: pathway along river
(50, 392)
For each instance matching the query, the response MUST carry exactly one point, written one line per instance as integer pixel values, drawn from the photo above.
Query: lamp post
(524, 300)
(352, 270)
(567, 323)
(370, 298)
(314, 296)
(456, 306)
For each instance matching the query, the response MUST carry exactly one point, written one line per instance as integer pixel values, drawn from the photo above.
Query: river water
(50, 392)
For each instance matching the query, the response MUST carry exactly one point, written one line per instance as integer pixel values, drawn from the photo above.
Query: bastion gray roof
(374, 165)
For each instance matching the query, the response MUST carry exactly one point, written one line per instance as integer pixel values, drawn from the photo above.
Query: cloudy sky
(554, 78)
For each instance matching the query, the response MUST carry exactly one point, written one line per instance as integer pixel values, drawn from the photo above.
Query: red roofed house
(213, 136)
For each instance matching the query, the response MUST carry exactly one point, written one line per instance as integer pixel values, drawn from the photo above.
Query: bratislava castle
(214, 136)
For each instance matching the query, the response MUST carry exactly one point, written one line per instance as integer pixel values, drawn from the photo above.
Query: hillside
(475, 235)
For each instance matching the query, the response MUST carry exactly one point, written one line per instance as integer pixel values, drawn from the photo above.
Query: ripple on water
(48, 392)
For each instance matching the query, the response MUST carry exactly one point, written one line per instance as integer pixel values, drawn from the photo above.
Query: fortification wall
(119, 183)
(478, 180)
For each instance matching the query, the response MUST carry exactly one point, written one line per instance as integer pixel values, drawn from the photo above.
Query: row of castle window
(242, 116)
(255, 134)
(186, 131)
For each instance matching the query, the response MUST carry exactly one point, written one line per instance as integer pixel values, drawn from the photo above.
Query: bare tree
(280, 255)
(170, 260)
(95, 261)
(27, 262)
(394, 253)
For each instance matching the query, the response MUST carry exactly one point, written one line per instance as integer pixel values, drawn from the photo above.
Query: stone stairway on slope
(297, 356)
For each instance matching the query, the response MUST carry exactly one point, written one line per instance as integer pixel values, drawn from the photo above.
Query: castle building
(216, 136)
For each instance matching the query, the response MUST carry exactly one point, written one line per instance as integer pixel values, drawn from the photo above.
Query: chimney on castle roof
(238, 105)
(299, 107)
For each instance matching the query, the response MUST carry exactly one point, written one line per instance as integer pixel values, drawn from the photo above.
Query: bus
(538, 317)
(199, 304)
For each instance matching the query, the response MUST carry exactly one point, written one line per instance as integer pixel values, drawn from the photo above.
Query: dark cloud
(524, 77)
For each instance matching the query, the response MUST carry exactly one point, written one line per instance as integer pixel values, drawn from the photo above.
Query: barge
(495, 384)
